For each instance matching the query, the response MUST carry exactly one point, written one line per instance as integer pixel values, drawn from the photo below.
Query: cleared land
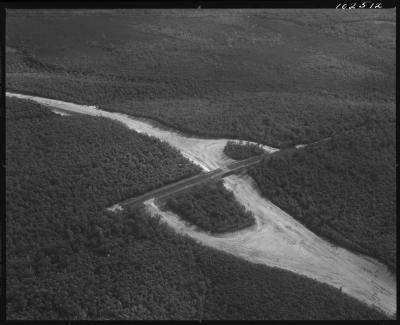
(207, 153)
(343, 189)
(233, 73)
(275, 77)
(279, 240)
(278, 77)
(61, 174)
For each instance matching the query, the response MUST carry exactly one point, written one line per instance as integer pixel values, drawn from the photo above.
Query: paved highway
(197, 179)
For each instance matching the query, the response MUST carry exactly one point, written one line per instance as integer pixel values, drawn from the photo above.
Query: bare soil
(277, 239)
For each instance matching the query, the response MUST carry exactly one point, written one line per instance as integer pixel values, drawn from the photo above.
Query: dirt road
(277, 239)
(207, 153)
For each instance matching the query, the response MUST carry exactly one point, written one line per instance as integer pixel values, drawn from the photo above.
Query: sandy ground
(207, 153)
(60, 112)
(277, 239)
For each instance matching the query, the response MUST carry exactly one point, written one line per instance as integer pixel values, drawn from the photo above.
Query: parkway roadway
(200, 178)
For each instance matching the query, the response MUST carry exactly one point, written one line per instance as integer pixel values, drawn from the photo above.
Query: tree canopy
(70, 258)
(242, 150)
(211, 207)
(343, 189)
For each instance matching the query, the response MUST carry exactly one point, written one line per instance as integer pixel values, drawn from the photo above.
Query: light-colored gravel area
(277, 239)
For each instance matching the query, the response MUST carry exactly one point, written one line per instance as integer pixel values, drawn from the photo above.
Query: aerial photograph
(200, 163)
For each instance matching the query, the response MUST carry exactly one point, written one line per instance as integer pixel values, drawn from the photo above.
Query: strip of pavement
(197, 179)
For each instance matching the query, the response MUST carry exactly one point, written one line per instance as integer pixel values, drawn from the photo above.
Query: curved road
(278, 240)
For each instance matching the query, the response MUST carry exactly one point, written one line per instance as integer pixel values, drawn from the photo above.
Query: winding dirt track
(277, 239)
(207, 153)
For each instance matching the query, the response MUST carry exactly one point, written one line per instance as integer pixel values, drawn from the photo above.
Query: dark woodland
(60, 237)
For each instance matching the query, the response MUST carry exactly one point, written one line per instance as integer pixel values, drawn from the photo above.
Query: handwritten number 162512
(366, 5)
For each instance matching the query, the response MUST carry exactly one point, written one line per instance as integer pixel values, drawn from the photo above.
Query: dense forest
(241, 74)
(94, 156)
(211, 207)
(343, 189)
(240, 150)
(70, 258)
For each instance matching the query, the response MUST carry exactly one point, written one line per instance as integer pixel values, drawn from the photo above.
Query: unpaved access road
(207, 153)
(278, 239)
